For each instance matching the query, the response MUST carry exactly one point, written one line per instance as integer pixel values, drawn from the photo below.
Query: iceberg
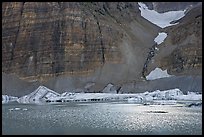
(40, 95)
(189, 96)
(43, 95)
(7, 99)
(137, 99)
(167, 97)
(89, 97)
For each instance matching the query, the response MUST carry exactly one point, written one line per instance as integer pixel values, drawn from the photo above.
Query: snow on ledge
(160, 38)
(157, 73)
(160, 19)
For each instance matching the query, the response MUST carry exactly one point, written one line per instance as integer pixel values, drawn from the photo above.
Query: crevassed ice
(160, 19)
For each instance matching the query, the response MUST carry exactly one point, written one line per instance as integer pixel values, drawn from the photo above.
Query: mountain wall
(67, 45)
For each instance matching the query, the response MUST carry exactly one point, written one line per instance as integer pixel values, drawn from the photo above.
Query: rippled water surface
(101, 118)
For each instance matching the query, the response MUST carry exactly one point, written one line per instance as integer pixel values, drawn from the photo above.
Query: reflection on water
(100, 118)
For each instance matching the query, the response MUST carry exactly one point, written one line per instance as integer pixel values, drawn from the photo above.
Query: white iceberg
(166, 94)
(7, 99)
(137, 99)
(170, 97)
(190, 96)
(40, 95)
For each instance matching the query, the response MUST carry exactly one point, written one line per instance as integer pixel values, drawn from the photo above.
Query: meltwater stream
(111, 118)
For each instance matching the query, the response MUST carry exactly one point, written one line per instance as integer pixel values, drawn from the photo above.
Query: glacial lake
(109, 118)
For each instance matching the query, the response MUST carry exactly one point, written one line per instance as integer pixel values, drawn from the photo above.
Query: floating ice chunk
(189, 97)
(157, 73)
(173, 93)
(45, 95)
(164, 102)
(137, 99)
(148, 98)
(66, 94)
(160, 38)
(7, 99)
(160, 19)
(17, 108)
(166, 94)
(12, 109)
(40, 95)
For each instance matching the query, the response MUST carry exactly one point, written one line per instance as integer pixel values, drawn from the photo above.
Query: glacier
(44, 95)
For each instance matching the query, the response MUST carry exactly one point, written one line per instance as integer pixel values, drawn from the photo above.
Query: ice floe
(8, 99)
(17, 109)
(38, 96)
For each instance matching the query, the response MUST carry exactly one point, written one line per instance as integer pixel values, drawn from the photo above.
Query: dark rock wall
(162, 7)
(67, 44)
(42, 40)
(181, 52)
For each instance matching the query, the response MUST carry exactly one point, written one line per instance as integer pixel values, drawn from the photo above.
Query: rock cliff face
(162, 7)
(181, 52)
(45, 40)
(69, 44)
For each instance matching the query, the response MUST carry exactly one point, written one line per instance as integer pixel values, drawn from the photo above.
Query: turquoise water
(112, 118)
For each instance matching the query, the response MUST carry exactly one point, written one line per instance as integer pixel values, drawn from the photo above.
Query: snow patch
(160, 38)
(157, 73)
(160, 19)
